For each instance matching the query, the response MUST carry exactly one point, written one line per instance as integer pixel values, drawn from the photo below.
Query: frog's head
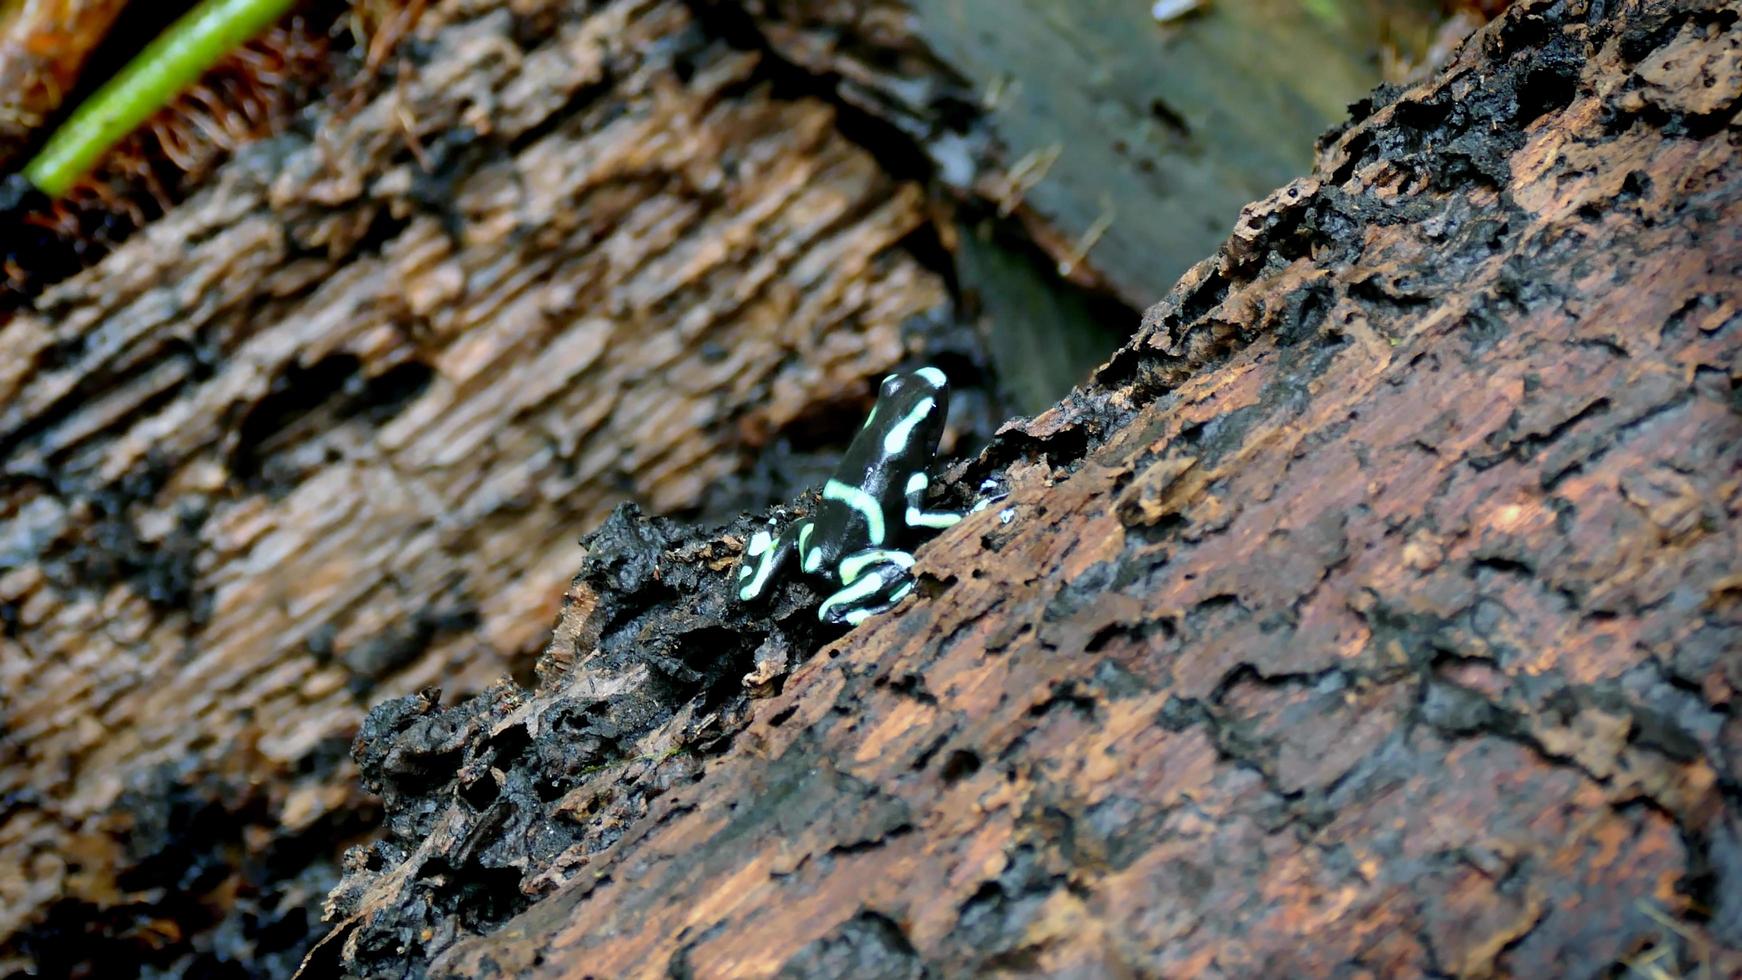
(911, 407)
(911, 386)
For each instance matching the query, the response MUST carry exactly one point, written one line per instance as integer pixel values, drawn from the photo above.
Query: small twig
(1089, 239)
(1025, 175)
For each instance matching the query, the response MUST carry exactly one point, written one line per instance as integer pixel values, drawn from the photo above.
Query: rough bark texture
(1374, 612)
(330, 430)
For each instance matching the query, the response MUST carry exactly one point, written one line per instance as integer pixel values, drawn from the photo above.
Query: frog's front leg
(917, 515)
(763, 557)
(872, 580)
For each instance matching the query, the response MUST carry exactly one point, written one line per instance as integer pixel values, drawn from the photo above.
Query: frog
(872, 511)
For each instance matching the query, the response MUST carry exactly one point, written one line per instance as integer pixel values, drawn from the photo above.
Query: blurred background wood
(1084, 141)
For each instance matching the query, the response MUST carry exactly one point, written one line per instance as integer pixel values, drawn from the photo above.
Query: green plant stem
(167, 66)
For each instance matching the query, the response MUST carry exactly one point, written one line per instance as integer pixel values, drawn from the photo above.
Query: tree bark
(1374, 611)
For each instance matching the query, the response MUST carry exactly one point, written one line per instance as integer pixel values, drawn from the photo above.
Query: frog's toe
(991, 491)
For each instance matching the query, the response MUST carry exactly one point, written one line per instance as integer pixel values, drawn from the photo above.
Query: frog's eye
(887, 388)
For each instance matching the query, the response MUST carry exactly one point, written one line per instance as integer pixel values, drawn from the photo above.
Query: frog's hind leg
(763, 556)
(917, 515)
(872, 581)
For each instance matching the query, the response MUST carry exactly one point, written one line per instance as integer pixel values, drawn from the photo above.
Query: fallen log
(1374, 610)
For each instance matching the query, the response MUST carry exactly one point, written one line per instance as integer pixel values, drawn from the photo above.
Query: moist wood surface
(1374, 611)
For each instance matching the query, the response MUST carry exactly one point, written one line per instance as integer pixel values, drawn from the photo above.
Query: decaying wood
(330, 430)
(1375, 611)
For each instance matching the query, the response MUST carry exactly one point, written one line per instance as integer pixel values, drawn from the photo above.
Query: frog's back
(864, 501)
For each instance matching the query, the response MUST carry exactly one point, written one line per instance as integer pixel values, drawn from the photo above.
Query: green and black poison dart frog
(871, 511)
